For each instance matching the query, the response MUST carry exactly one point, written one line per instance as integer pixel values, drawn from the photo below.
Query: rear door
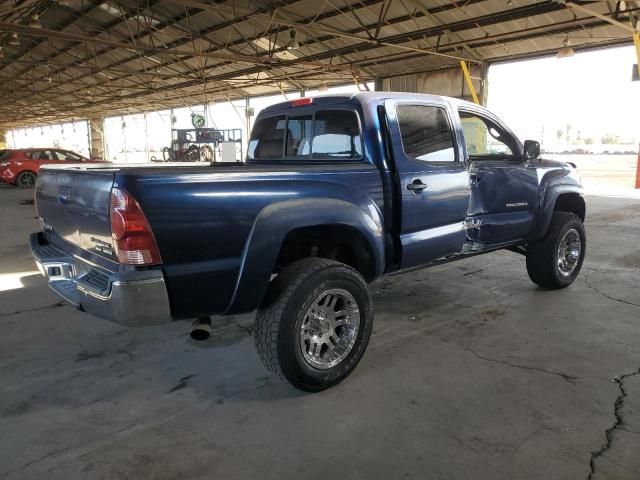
(434, 182)
(504, 186)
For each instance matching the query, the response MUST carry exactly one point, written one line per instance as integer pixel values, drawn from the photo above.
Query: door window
(484, 139)
(68, 156)
(426, 133)
(42, 155)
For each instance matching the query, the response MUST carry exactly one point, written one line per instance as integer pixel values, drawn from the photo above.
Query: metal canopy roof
(66, 59)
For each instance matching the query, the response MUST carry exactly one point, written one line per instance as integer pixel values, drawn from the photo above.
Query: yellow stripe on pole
(636, 41)
(467, 77)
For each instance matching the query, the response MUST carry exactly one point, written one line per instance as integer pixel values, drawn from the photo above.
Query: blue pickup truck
(336, 191)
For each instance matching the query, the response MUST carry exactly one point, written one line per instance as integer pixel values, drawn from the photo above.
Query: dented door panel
(504, 201)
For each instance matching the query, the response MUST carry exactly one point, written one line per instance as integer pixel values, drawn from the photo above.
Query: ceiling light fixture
(14, 40)
(323, 87)
(293, 43)
(566, 51)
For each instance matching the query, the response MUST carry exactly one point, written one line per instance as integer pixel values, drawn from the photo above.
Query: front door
(434, 181)
(504, 187)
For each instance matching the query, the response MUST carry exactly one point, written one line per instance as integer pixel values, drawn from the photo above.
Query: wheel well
(336, 242)
(571, 202)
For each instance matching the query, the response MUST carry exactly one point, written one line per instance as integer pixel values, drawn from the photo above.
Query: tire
(206, 153)
(286, 333)
(547, 265)
(26, 180)
(168, 154)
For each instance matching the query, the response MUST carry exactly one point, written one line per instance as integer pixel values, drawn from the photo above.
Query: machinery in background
(204, 145)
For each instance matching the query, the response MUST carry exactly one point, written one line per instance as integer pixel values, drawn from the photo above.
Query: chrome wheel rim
(569, 252)
(329, 328)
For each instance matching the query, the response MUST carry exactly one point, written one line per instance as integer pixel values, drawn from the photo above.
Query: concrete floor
(472, 373)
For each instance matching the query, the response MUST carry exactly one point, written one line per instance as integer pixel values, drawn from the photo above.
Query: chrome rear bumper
(135, 298)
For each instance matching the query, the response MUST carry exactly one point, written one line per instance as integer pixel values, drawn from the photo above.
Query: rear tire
(555, 261)
(314, 324)
(26, 180)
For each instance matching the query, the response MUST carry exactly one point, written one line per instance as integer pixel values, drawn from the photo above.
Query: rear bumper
(135, 299)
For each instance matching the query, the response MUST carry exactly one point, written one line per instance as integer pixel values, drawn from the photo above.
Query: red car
(20, 167)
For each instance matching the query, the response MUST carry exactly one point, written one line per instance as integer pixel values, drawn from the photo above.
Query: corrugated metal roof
(82, 58)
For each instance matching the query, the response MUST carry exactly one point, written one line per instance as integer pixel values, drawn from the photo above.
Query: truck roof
(364, 98)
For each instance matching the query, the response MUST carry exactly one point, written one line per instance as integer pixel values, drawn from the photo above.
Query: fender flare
(547, 206)
(275, 221)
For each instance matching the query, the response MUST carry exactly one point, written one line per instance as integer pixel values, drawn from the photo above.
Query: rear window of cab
(319, 135)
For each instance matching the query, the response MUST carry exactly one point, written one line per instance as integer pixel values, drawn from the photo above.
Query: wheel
(192, 154)
(26, 180)
(314, 324)
(555, 261)
(168, 154)
(206, 153)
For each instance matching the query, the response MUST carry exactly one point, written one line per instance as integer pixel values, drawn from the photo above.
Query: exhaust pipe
(201, 328)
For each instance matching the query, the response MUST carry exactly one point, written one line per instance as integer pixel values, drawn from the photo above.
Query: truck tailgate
(73, 204)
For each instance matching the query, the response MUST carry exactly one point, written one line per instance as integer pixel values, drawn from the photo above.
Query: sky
(591, 91)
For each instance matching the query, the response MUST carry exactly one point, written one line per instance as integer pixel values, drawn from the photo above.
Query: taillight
(132, 236)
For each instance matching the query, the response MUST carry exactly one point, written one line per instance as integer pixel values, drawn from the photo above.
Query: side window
(484, 140)
(426, 133)
(68, 156)
(299, 136)
(336, 134)
(267, 138)
(42, 155)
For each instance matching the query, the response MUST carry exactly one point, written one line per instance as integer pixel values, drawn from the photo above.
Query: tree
(610, 139)
(559, 133)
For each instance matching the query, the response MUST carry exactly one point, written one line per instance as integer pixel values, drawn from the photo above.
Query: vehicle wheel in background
(168, 154)
(314, 324)
(555, 261)
(192, 154)
(206, 153)
(26, 180)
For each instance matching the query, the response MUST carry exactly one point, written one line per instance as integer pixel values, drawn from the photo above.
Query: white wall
(71, 136)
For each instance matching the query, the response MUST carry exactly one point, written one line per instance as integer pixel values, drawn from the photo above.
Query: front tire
(314, 324)
(26, 180)
(555, 261)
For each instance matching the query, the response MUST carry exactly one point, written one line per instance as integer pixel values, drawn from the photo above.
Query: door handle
(417, 186)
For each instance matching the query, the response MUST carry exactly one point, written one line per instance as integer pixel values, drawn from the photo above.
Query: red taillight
(302, 101)
(132, 235)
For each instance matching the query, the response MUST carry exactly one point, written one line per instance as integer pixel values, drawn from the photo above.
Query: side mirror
(531, 149)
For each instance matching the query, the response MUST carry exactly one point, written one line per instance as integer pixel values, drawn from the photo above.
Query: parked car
(336, 192)
(20, 167)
